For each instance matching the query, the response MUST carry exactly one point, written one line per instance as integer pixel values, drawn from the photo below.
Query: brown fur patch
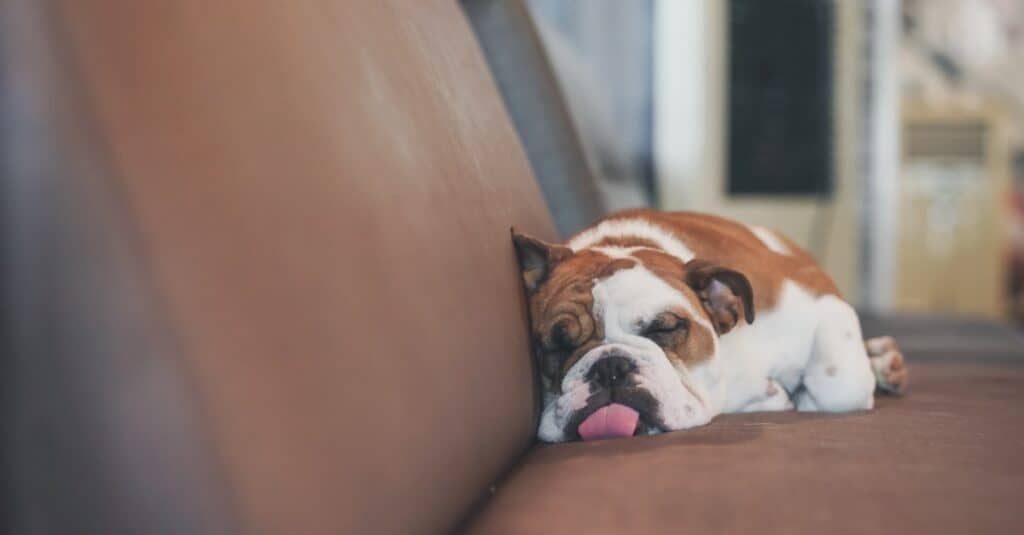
(734, 246)
(625, 241)
(698, 347)
(561, 310)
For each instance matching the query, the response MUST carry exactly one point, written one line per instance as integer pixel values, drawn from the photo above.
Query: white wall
(690, 133)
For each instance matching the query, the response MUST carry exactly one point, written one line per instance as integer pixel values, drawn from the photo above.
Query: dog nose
(612, 371)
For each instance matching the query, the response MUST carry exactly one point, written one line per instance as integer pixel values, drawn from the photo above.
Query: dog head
(620, 337)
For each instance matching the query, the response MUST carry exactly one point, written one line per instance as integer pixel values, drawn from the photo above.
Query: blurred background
(883, 136)
(886, 137)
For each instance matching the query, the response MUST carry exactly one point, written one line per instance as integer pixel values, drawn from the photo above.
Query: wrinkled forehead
(634, 296)
(619, 291)
(573, 280)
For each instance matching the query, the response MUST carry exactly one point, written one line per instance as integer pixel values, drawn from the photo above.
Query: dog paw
(879, 346)
(889, 365)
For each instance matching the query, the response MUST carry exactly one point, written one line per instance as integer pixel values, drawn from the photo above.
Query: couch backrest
(321, 193)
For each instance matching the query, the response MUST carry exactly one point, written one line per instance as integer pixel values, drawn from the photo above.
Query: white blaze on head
(770, 240)
(637, 228)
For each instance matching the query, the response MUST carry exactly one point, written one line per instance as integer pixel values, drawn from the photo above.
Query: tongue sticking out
(610, 421)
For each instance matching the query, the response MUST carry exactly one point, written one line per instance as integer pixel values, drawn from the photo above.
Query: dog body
(645, 322)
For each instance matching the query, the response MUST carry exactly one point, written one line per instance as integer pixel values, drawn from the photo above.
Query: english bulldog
(645, 323)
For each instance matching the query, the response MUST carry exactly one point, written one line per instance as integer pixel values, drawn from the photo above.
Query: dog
(648, 322)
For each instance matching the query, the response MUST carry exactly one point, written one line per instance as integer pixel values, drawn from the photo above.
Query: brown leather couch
(257, 278)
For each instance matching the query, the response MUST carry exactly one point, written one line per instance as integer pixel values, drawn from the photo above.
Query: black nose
(611, 371)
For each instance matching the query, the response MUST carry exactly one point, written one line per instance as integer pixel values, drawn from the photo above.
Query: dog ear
(723, 292)
(537, 258)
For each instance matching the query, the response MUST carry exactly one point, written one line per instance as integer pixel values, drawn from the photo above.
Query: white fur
(632, 227)
(617, 251)
(770, 239)
(777, 345)
(838, 376)
(775, 398)
(808, 340)
(804, 340)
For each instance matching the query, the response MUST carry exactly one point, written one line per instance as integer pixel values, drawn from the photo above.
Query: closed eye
(666, 322)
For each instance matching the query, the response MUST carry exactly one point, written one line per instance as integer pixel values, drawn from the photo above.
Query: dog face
(619, 337)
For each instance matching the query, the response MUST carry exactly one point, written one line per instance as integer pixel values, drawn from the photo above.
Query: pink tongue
(610, 421)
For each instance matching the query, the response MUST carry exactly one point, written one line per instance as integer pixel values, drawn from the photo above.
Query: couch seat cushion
(949, 457)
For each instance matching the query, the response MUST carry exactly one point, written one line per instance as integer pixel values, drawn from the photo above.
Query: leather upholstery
(322, 192)
(944, 459)
(98, 431)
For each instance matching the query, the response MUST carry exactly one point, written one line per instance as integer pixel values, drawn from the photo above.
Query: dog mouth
(616, 413)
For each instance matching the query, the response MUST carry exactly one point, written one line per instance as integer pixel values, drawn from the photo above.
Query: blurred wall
(600, 51)
(962, 67)
(690, 133)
